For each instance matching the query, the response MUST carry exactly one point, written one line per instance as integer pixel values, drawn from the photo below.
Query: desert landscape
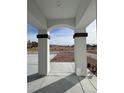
(66, 54)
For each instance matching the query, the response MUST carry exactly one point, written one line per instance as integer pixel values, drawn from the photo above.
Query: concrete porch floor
(63, 80)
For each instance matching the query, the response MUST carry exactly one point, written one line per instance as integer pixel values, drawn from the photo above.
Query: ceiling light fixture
(59, 3)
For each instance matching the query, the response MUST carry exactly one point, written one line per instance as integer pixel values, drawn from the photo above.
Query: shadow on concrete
(34, 77)
(60, 86)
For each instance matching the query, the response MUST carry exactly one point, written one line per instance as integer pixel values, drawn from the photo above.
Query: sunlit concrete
(61, 79)
(32, 63)
(63, 83)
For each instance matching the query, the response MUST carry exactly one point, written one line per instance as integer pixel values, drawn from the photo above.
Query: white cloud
(62, 40)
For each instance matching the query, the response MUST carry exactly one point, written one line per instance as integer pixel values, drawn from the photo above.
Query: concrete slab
(35, 85)
(61, 79)
(62, 67)
(32, 59)
(93, 80)
(32, 63)
(32, 69)
(52, 55)
(60, 84)
(55, 68)
(86, 85)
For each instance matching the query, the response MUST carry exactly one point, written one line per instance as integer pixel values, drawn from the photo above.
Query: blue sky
(63, 36)
(31, 33)
(92, 35)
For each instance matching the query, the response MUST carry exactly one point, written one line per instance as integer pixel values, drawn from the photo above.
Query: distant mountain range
(88, 45)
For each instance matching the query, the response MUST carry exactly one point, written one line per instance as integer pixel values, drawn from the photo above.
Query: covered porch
(46, 15)
(49, 14)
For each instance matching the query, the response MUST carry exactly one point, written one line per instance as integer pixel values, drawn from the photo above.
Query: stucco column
(80, 52)
(43, 53)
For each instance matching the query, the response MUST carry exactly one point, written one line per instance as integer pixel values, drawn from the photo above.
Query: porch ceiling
(59, 9)
(46, 13)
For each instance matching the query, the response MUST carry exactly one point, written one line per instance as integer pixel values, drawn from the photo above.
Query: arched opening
(61, 49)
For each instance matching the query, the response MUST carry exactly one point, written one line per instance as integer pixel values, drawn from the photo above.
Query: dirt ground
(64, 57)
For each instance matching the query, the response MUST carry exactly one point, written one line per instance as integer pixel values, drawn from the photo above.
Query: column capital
(80, 35)
(43, 36)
